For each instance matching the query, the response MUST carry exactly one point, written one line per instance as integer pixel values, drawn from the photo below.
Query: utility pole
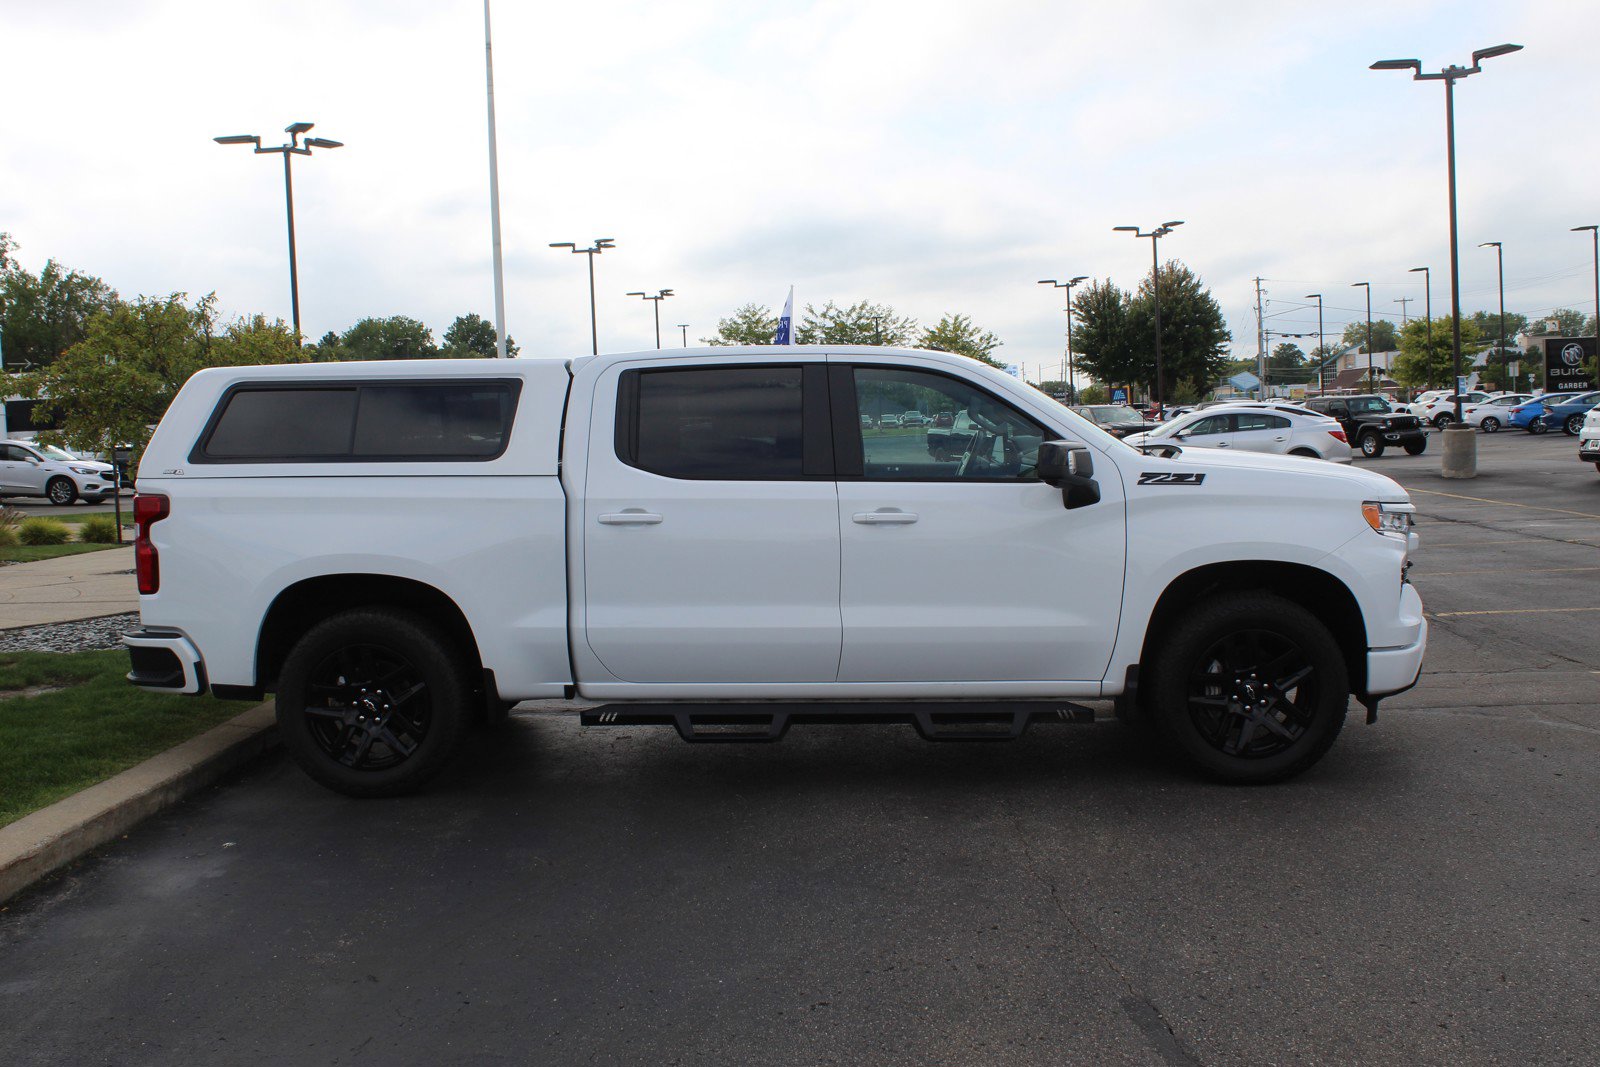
(1403, 301)
(1261, 340)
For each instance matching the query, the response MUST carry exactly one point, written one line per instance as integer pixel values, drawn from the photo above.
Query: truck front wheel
(373, 702)
(1249, 688)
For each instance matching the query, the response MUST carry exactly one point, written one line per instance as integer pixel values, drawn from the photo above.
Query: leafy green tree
(1562, 322)
(861, 323)
(1385, 337)
(396, 337)
(1194, 332)
(1488, 324)
(1107, 349)
(111, 388)
(1420, 365)
(328, 349)
(42, 315)
(752, 324)
(1095, 394)
(1287, 365)
(472, 336)
(956, 333)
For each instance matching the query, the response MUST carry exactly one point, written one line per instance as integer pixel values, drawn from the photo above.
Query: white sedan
(1278, 429)
(1495, 413)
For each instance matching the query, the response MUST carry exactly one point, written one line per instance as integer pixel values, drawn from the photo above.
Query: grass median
(30, 553)
(69, 720)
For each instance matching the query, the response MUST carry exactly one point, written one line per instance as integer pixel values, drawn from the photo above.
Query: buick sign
(1566, 364)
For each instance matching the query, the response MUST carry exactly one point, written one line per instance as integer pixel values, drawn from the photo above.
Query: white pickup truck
(711, 539)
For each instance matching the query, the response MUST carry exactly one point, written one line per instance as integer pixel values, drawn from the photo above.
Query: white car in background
(1441, 410)
(31, 469)
(1282, 430)
(1419, 406)
(1494, 414)
(1589, 438)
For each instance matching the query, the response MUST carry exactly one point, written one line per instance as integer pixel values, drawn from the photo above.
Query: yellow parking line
(1507, 611)
(1509, 504)
(1520, 570)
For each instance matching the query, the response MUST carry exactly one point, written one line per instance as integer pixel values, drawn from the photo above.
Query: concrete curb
(39, 844)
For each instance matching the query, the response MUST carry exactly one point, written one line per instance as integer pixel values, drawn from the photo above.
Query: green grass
(29, 553)
(55, 744)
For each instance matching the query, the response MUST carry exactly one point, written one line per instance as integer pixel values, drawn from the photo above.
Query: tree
(111, 388)
(42, 315)
(397, 337)
(752, 324)
(861, 323)
(1488, 324)
(1287, 365)
(1106, 347)
(1194, 333)
(956, 333)
(1418, 365)
(1385, 338)
(472, 335)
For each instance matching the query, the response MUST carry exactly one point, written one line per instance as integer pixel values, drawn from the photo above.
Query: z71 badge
(1170, 478)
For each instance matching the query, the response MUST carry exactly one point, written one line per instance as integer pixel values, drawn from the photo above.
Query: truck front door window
(965, 434)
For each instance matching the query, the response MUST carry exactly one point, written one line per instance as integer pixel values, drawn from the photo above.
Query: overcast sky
(935, 156)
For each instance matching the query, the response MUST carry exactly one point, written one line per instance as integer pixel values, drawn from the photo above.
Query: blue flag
(785, 334)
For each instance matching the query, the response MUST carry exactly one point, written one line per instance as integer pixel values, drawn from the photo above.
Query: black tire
(1416, 448)
(60, 491)
(1212, 689)
(1537, 426)
(1305, 452)
(1491, 424)
(1371, 444)
(346, 684)
(1443, 419)
(1573, 425)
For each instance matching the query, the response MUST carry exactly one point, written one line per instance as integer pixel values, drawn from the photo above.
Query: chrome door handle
(884, 518)
(1222, 444)
(1280, 438)
(630, 517)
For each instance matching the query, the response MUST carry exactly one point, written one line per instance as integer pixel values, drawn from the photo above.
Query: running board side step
(934, 721)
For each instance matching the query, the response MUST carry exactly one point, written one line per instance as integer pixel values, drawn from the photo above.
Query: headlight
(87, 472)
(1386, 518)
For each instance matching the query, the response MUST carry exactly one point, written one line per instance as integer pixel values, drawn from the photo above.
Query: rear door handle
(630, 517)
(885, 517)
(1280, 438)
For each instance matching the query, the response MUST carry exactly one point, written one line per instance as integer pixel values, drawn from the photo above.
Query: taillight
(148, 509)
(1338, 435)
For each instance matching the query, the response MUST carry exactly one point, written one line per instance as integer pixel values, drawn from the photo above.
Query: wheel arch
(1319, 592)
(303, 604)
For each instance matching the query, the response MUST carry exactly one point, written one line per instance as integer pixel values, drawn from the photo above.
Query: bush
(10, 519)
(98, 530)
(38, 531)
(8, 537)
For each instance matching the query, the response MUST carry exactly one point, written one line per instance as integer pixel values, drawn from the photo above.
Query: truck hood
(1284, 471)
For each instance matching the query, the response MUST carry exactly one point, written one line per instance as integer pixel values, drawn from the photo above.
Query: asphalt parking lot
(857, 896)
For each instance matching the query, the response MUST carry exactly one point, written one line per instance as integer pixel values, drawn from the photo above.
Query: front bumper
(1395, 668)
(165, 662)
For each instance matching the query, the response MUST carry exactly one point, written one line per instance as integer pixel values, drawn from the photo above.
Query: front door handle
(885, 517)
(1280, 438)
(630, 517)
(1222, 444)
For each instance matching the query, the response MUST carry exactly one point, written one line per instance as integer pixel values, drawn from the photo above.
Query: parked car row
(1277, 428)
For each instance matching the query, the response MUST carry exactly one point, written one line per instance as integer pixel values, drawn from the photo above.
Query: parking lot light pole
(293, 148)
(684, 326)
(1372, 375)
(1427, 314)
(1500, 268)
(1449, 75)
(1072, 392)
(1594, 232)
(1155, 236)
(660, 296)
(601, 244)
(1322, 348)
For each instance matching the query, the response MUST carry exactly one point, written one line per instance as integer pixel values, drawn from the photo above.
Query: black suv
(1372, 423)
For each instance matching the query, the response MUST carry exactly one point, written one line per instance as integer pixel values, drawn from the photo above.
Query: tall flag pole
(785, 334)
(494, 197)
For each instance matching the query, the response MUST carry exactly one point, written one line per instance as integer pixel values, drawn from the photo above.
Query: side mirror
(1070, 468)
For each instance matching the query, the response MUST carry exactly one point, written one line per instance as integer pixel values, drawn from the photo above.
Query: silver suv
(29, 469)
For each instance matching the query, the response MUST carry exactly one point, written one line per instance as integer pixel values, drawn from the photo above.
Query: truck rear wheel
(373, 702)
(1250, 688)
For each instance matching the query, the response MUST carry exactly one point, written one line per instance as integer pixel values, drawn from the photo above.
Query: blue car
(1566, 413)
(1524, 416)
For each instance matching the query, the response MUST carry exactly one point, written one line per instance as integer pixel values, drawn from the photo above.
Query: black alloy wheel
(374, 701)
(1248, 687)
(368, 707)
(61, 491)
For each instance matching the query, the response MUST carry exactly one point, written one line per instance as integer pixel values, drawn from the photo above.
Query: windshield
(1109, 414)
(1368, 405)
(57, 453)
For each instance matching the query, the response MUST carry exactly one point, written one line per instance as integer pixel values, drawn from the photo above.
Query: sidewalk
(68, 588)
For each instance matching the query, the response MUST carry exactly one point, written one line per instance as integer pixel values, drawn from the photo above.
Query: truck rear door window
(382, 421)
(733, 423)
